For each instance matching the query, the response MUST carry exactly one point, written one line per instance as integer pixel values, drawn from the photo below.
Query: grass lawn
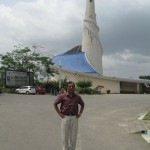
(147, 116)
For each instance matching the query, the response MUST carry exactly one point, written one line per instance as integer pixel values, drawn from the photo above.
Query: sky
(57, 25)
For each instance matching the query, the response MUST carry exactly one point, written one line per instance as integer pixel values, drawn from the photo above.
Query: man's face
(62, 89)
(71, 87)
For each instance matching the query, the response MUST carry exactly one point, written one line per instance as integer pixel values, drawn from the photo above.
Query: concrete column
(138, 88)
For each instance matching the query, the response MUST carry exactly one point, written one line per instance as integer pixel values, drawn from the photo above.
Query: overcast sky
(57, 26)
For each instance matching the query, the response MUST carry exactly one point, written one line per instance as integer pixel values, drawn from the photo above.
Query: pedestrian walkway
(146, 136)
(139, 126)
(135, 126)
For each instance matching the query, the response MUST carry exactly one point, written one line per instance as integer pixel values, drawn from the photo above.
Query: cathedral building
(84, 62)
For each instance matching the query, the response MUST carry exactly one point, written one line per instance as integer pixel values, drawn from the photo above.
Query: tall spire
(90, 41)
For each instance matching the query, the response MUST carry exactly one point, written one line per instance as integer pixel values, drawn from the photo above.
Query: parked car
(40, 90)
(26, 90)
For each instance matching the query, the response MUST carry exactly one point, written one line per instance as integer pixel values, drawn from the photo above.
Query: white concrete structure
(86, 64)
(90, 42)
(114, 84)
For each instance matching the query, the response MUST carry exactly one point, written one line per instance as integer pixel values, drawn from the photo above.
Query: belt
(70, 114)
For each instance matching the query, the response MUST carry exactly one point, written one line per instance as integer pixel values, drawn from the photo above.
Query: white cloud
(57, 26)
(40, 21)
(127, 64)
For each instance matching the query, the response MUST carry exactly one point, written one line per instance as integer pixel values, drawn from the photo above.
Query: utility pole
(60, 73)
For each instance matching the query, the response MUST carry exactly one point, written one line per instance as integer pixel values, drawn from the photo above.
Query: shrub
(84, 84)
(108, 91)
(84, 90)
(10, 90)
(95, 91)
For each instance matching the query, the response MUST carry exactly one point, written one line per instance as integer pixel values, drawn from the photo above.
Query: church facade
(84, 62)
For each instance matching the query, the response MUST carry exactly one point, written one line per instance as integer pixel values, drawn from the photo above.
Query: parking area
(29, 122)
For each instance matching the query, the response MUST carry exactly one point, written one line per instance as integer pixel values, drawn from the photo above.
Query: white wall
(113, 86)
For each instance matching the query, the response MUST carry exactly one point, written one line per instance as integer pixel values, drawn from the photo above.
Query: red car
(40, 90)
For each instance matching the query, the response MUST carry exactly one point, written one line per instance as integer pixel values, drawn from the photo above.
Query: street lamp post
(60, 74)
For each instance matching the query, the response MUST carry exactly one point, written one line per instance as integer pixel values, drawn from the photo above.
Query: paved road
(29, 122)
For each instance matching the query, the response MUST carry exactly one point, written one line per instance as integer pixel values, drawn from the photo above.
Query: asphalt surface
(29, 122)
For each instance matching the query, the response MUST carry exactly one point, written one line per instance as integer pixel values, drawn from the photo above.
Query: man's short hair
(62, 87)
(70, 82)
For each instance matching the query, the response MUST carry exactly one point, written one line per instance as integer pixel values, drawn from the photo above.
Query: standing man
(69, 111)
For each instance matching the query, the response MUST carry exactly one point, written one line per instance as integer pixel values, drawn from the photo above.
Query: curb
(146, 136)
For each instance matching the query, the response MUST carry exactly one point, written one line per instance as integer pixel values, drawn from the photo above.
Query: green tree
(2, 78)
(27, 59)
(46, 69)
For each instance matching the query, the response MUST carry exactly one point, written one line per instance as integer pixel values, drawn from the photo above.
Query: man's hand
(61, 115)
(79, 115)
